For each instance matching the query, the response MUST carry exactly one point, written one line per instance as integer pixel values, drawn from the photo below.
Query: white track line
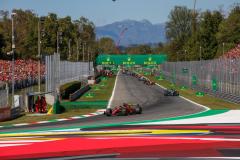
(42, 122)
(200, 105)
(176, 138)
(113, 92)
(21, 124)
(229, 117)
(11, 145)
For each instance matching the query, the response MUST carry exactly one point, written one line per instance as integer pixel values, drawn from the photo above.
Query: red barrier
(5, 113)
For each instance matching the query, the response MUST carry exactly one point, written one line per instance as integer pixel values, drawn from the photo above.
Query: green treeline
(206, 35)
(74, 36)
(191, 35)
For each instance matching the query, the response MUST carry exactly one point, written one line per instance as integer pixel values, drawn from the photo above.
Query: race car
(124, 110)
(148, 82)
(106, 73)
(171, 92)
(140, 78)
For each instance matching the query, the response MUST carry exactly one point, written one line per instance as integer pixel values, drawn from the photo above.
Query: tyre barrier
(98, 80)
(16, 112)
(5, 113)
(79, 93)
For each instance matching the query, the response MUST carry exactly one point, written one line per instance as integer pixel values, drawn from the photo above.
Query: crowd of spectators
(26, 72)
(233, 53)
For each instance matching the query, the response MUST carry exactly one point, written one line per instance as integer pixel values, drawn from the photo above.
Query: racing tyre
(165, 93)
(124, 112)
(108, 112)
(138, 110)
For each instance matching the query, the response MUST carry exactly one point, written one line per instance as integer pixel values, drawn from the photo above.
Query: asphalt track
(130, 90)
(127, 141)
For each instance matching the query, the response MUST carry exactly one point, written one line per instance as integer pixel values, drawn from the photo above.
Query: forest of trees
(191, 35)
(76, 34)
(206, 35)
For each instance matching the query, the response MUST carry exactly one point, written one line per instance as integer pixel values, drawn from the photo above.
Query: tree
(229, 32)
(1, 45)
(205, 37)
(26, 33)
(139, 49)
(106, 45)
(85, 34)
(178, 30)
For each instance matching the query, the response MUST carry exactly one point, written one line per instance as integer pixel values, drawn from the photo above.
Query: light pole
(69, 49)
(200, 53)
(57, 42)
(185, 53)
(84, 43)
(77, 50)
(39, 58)
(177, 56)
(13, 50)
(88, 62)
(40, 21)
(223, 50)
(59, 38)
(200, 57)
(80, 29)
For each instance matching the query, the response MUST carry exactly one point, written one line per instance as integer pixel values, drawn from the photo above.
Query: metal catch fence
(219, 77)
(60, 72)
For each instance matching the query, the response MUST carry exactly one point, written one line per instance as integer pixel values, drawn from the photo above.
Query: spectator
(25, 71)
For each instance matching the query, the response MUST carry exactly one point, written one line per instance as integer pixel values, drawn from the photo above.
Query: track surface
(130, 90)
(127, 141)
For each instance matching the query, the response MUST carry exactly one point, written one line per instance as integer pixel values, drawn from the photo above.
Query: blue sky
(103, 12)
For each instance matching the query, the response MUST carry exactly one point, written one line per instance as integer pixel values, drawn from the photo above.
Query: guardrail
(79, 93)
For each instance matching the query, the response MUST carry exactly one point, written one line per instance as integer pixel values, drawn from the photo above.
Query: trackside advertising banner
(126, 59)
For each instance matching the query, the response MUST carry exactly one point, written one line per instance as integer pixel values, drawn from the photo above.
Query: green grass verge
(84, 105)
(101, 91)
(206, 100)
(69, 113)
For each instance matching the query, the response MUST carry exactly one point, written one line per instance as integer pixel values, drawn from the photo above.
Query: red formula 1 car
(124, 110)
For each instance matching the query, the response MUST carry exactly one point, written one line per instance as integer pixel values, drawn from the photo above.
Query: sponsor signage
(135, 59)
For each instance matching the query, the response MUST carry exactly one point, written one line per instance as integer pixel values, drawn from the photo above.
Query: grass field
(101, 91)
(206, 100)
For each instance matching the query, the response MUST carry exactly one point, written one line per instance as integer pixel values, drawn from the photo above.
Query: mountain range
(132, 32)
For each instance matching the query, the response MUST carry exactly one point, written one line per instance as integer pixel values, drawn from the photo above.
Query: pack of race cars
(133, 109)
(139, 77)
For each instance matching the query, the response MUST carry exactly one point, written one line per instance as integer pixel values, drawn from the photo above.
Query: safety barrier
(60, 72)
(16, 112)
(5, 113)
(79, 93)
